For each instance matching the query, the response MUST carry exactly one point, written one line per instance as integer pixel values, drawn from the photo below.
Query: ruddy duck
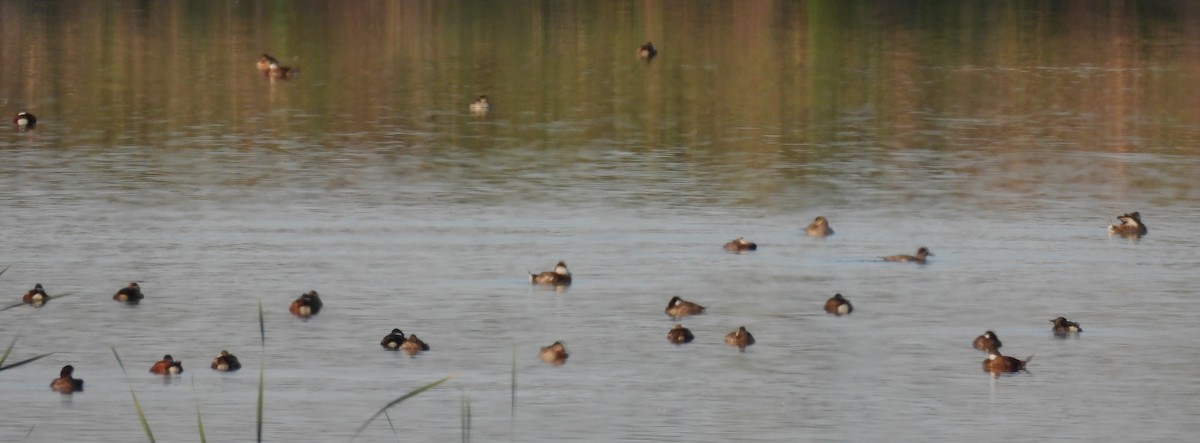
(24, 120)
(480, 105)
(393, 341)
(996, 363)
(555, 354)
(838, 305)
(740, 244)
(167, 366)
(988, 342)
(819, 228)
(413, 345)
(559, 277)
(225, 362)
(680, 335)
(129, 294)
(65, 383)
(919, 258)
(306, 305)
(276, 70)
(264, 62)
(36, 296)
(1131, 225)
(647, 51)
(679, 307)
(1064, 327)
(740, 338)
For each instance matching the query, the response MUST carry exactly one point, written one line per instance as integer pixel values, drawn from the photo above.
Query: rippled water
(429, 221)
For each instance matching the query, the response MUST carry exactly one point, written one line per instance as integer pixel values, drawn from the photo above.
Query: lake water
(1004, 137)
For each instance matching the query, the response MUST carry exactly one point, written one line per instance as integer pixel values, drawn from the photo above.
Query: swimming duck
(167, 366)
(129, 294)
(647, 51)
(919, 258)
(480, 105)
(838, 305)
(996, 363)
(680, 335)
(555, 353)
(36, 296)
(225, 362)
(393, 341)
(276, 70)
(65, 383)
(1131, 225)
(24, 120)
(740, 244)
(559, 277)
(306, 305)
(1063, 327)
(264, 62)
(413, 345)
(740, 338)
(819, 228)
(679, 307)
(988, 342)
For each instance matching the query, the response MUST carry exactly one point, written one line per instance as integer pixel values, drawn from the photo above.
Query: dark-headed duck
(996, 363)
(129, 294)
(167, 366)
(740, 338)
(560, 276)
(24, 120)
(922, 252)
(265, 61)
(838, 305)
(819, 227)
(393, 341)
(1131, 225)
(306, 305)
(740, 244)
(555, 354)
(988, 342)
(679, 307)
(1062, 326)
(647, 51)
(65, 383)
(680, 335)
(226, 362)
(36, 296)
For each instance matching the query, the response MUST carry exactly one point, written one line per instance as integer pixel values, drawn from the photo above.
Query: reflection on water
(1005, 137)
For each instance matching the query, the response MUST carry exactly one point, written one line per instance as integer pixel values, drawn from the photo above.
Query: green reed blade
(466, 417)
(137, 406)
(28, 360)
(262, 334)
(199, 421)
(10, 348)
(512, 417)
(391, 425)
(397, 401)
(5, 269)
(12, 306)
(27, 434)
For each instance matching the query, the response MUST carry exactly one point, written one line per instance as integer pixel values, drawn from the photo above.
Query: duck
(647, 51)
(680, 335)
(413, 345)
(740, 244)
(306, 305)
(276, 70)
(555, 354)
(480, 105)
(393, 340)
(560, 276)
(24, 120)
(1062, 326)
(225, 362)
(679, 307)
(1131, 225)
(819, 227)
(838, 305)
(129, 294)
(265, 61)
(988, 342)
(922, 252)
(36, 296)
(996, 363)
(65, 383)
(740, 338)
(167, 366)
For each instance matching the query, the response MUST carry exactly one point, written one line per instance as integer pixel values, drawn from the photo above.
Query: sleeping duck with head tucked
(560, 276)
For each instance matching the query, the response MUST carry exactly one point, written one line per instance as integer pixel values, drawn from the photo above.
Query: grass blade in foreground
(262, 335)
(466, 417)
(391, 425)
(136, 406)
(199, 421)
(9, 351)
(512, 418)
(397, 401)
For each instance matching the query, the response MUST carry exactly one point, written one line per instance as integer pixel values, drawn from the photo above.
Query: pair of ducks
(818, 228)
(24, 120)
(225, 362)
(997, 363)
(678, 308)
(271, 68)
(396, 341)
